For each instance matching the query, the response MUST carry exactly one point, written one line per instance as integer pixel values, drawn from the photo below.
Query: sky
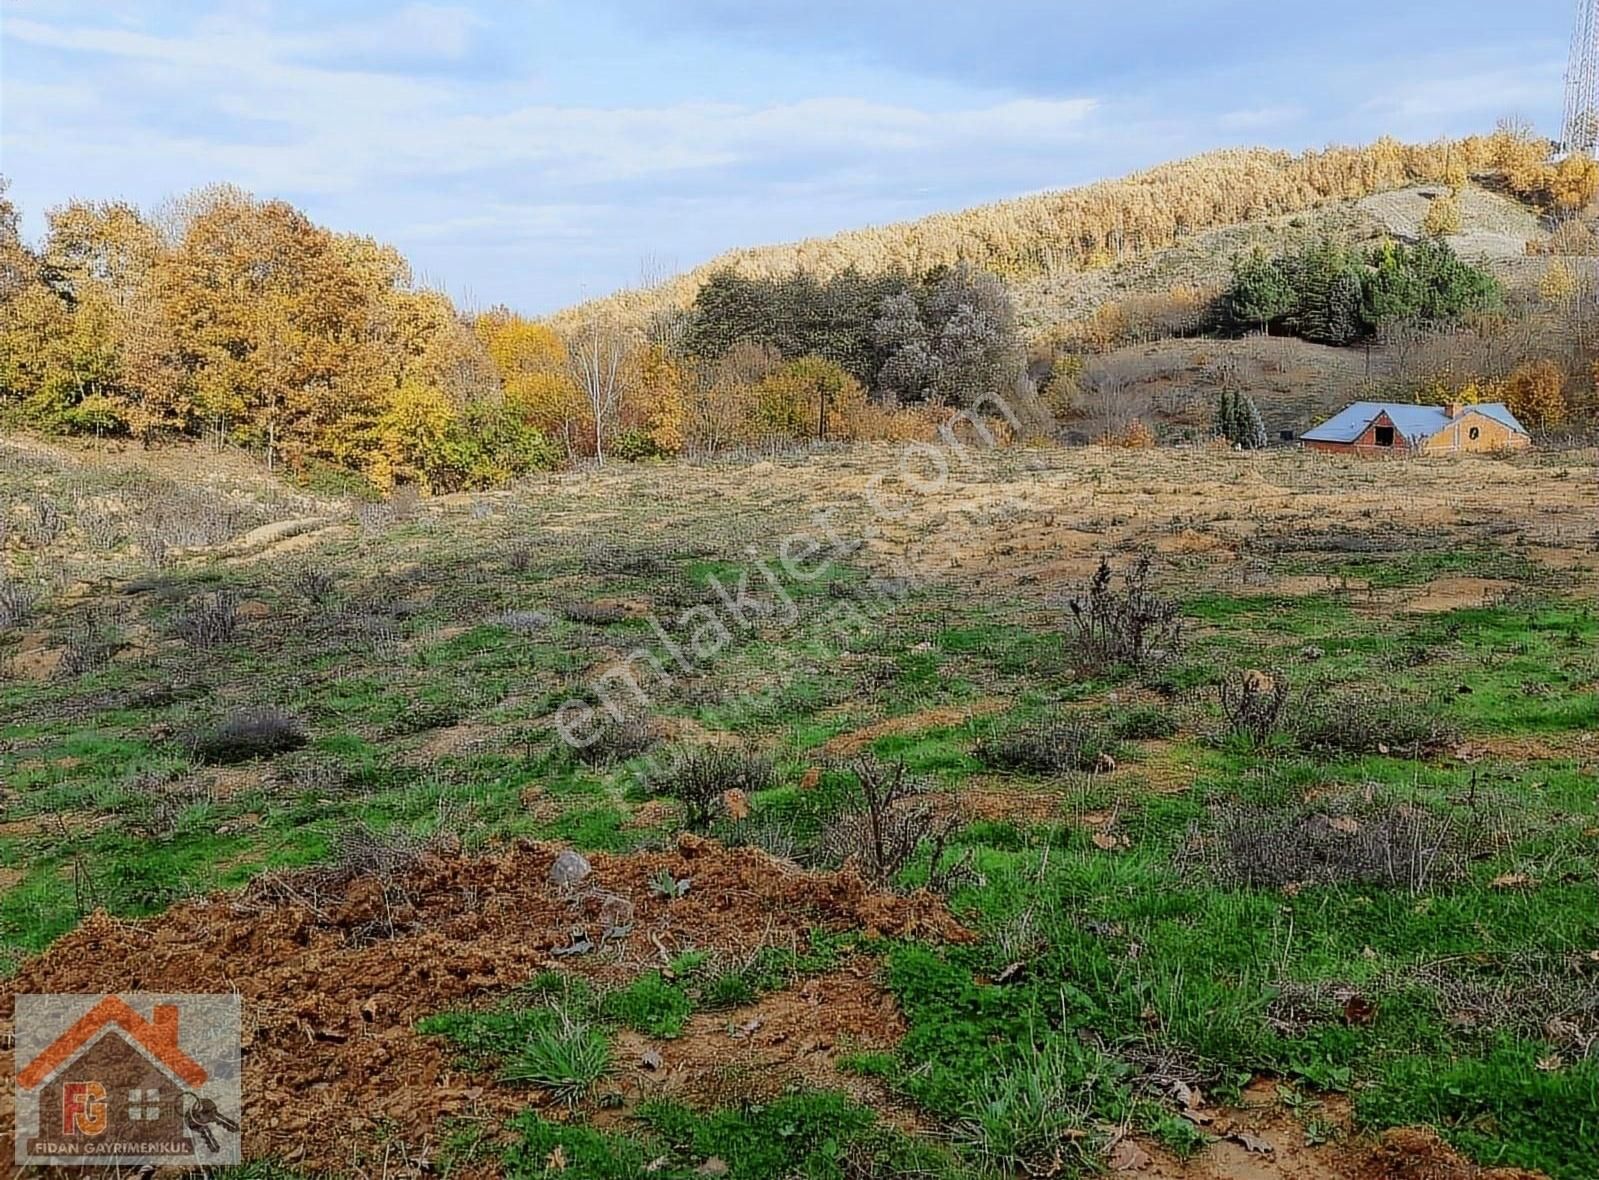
(537, 152)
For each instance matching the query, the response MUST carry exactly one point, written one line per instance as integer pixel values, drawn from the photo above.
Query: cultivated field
(913, 856)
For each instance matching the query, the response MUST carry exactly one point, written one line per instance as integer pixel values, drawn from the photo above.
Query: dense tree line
(1334, 294)
(948, 336)
(240, 319)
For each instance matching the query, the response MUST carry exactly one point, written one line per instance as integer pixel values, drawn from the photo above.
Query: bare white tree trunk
(596, 354)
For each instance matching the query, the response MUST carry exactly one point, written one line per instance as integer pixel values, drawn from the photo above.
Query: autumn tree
(809, 397)
(1535, 394)
(1443, 216)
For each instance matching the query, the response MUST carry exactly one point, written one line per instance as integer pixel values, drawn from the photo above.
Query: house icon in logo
(113, 1080)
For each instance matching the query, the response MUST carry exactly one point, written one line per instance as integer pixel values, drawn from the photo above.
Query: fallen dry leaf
(1347, 824)
(1511, 881)
(1359, 1010)
(715, 1166)
(1551, 1063)
(812, 776)
(737, 804)
(1127, 1156)
(1105, 840)
(1251, 1143)
(556, 1160)
(1010, 971)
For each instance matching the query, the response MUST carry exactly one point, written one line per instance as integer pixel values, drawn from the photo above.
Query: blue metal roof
(1411, 421)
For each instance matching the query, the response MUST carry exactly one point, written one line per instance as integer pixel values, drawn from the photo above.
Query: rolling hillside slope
(1153, 222)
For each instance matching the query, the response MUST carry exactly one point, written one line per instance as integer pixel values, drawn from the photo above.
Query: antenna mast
(1580, 129)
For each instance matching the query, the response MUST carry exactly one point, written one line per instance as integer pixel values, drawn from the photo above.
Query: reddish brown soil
(334, 980)
(1261, 1139)
(755, 1053)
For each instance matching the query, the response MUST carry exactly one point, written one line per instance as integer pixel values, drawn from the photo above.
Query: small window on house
(1385, 436)
(1474, 433)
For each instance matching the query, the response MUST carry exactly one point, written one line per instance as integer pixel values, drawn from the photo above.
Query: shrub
(634, 444)
(1238, 421)
(1443, 217)
(700, 778)
(1054, 745)
(566, 1058)
(1143, 723)
(525, 622)
(1130, 625)
(596, 613)
(210, 621)
(17, 602)
(1387, 842)
(248, 734)
(43, 522)
(93, 638)
(617, 740)
(888, 821)
(1253, 703)
(315, 584)
(1369, 720)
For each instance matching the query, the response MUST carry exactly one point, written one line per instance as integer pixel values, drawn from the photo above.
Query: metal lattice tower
(1580, 129)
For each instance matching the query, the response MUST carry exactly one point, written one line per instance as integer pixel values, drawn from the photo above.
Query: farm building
(1394, 429)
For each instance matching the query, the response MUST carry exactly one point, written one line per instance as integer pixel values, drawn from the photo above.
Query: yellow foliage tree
(1573, 182)
(1443, 216)
(663, 387)
(808, 398)
(1535, 393)
(1557, 284)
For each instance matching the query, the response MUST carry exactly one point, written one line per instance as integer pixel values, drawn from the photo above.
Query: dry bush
(42, 522)
(524, 622)
(360, 854)
(1252, 702)
(700, 778)
(617, 740)
(316, 585)
(1385, 841)
(93, 638)
(1369, 719)
(890, 819)
(1573, 237)
(594, 613)
(102, 530)
(1051, 745)
(210, 621)
(1130, 624)
(876, 423)
(17, 603)
(247, 734)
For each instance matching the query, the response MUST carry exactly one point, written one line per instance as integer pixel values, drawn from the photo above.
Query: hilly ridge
(1042, 236)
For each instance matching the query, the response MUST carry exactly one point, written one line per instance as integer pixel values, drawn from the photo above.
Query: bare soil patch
(941, 717)
(1446, 594)
(330, 1004)
(755, 1053)
(1262, 1140)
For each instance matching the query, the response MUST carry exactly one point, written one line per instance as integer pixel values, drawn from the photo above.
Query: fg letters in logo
(130, 1079)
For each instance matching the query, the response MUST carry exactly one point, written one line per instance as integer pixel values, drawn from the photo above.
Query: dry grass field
(912, 849)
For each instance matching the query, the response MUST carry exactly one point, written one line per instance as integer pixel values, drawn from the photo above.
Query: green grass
(1131, 953)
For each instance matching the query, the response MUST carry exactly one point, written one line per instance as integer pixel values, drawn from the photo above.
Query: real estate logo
(129, 1079)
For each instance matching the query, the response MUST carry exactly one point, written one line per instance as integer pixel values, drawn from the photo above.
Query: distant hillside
(1044, 236)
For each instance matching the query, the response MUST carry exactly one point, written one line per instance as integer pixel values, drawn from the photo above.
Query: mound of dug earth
(335, 970)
